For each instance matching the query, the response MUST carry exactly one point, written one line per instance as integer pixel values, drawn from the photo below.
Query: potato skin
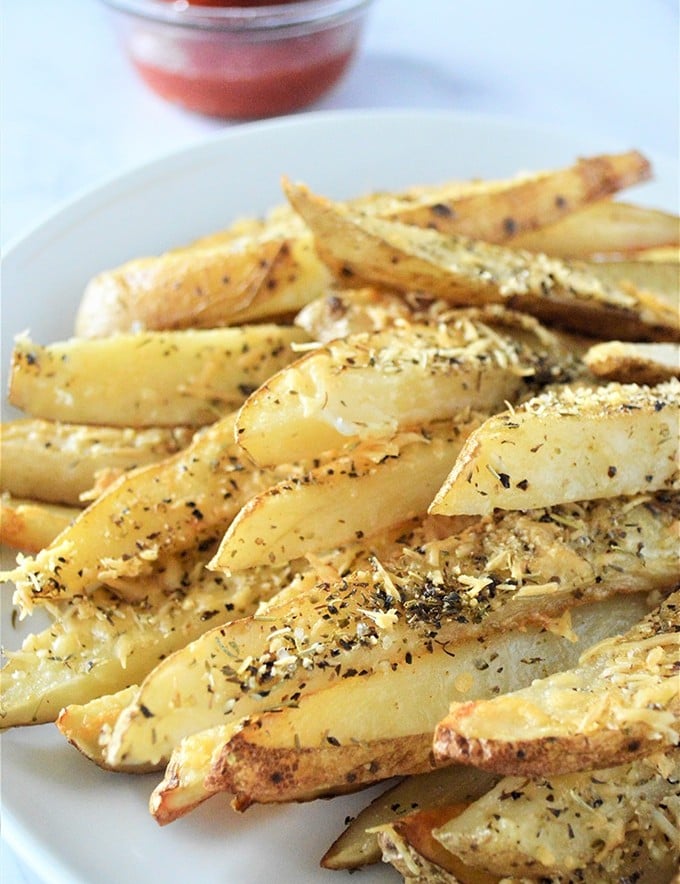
(204, 287)
(548, 755)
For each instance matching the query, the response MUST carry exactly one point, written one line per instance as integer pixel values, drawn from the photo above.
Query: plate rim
(80, 200)
(41, 859)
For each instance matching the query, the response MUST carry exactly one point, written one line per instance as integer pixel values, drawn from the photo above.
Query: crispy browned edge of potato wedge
(632, 363)
(30, 525)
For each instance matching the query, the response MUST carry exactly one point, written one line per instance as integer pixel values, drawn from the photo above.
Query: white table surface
(73, 114)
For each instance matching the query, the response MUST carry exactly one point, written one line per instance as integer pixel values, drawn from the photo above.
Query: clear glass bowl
(240, 62)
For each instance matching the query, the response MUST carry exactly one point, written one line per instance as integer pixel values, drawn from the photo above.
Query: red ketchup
(241, 76)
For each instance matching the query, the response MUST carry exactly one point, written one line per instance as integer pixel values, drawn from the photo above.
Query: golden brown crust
(546, 755)
(204, 288)
(29, 525)
(499, 213)
(634, 363)
(264, 774)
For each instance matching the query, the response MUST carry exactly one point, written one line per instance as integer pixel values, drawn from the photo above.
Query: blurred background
(74, 112)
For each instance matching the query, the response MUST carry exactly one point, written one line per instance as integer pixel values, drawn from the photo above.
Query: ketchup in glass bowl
(240, 59)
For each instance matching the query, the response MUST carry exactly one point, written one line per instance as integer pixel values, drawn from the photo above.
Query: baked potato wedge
(409, 845)
(498, 212)
(374, 486)
(61, 462)
(372, 384)
(621, 701)
(30, 525)
(370, 727)
(253, 278)
(184, 787)
(600, 823)
(361, 250)
(573, 443)
(153, 510)
(358, 846)
(431, 581)
(343, 312)
(174, 378)
(634, 363)
(606, 229)
(85, 725)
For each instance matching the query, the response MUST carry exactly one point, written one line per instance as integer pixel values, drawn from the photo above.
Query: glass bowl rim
(241, 18)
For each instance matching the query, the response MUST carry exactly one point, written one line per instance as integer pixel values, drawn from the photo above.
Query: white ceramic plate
(70, 821)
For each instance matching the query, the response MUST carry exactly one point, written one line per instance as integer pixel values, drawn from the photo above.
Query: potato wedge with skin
(513, 829)
(363, 250)
(621, 701)
(373, 384)
(434, 585)
(148, 379)
(248, 279)
(183, 787)
(314, 749)
(634, 363)
(101, 644)
(372, 487)
(351, 311)
(85, 725)
(660, 279)
(59, 462)
(566, 445)
(255, 271)
(410, 845)
(374, 726)
(357, 846)
(30, 525)
(150, 511)
(498, 212)
(606, 229)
